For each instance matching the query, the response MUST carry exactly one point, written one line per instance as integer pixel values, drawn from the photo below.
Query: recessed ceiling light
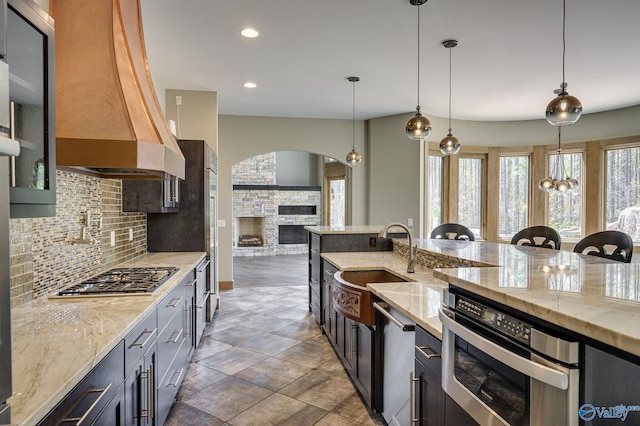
(250, 85)
(249, 32)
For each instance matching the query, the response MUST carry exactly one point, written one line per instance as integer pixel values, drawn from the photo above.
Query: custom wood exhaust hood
(108, 119)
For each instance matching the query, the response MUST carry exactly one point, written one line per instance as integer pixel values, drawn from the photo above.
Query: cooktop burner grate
(142, 280)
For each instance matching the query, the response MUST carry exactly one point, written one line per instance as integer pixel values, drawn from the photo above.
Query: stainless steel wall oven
(505, 369)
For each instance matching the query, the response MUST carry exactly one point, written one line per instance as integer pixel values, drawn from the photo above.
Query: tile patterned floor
(264, 361)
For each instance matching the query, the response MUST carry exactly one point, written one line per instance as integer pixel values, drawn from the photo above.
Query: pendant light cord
(450, 89)
(564, 18)
(418, 104)
(353, 116)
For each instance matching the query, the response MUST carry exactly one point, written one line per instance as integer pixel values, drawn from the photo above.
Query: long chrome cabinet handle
(12, 161)
(79, 420)
(203, 267)
(206, 296)
(396, 321)
(191, 284)
(529, 368)
(412, 380)
(175, 382)
(146, 331)
(426, 355)
(177, 333)
(174, 302)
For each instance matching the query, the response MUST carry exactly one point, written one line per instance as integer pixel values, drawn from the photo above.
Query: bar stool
(453, 231)
(537, 236)
(595, 245)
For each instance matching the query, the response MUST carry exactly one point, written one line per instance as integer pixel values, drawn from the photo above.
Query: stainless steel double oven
(503, 368)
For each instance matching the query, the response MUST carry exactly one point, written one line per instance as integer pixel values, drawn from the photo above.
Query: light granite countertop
(355, 229)
(56, 342)
(594, 297)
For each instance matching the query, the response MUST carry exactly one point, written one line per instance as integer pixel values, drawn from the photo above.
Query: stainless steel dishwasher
(398, 365)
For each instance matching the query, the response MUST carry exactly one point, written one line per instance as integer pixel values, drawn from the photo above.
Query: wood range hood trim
(108, 118)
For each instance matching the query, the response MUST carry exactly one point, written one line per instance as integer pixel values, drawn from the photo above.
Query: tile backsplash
(43, 257)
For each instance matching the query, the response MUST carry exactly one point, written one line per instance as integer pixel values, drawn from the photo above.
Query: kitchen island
(588, 305)
(591, 296)
(57, 342)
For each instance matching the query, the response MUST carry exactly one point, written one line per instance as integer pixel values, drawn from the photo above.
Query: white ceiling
(506, 66)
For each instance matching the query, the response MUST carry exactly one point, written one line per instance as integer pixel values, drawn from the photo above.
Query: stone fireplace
(250, 231)
(262, 210)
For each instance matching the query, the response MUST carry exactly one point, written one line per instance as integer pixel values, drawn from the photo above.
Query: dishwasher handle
(381, 307)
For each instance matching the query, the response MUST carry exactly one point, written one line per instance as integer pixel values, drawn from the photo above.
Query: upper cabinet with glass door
(30, 55)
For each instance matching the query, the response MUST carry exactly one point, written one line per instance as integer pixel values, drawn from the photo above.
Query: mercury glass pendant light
(418, 127)
(353, 157)
(558, 181)
(563, 109)
(449, 145)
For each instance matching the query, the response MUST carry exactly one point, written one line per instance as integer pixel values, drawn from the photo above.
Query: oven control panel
(495, 319)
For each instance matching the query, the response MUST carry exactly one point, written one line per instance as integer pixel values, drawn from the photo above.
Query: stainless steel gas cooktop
(121, 281)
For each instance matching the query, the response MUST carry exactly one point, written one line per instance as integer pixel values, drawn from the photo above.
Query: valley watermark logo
(589, 412)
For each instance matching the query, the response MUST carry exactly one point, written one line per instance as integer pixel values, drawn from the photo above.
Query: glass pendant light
(418, 127)
(563, 109)
(449, 145)
(558, 181)
(353, 157)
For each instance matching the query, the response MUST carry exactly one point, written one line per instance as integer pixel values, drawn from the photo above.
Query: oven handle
(527, 367)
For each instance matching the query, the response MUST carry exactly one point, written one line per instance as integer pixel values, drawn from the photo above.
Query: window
(470, 193)
(622, 196)
(337, 208)
(435, 190)
(514, 195)
(565, 210)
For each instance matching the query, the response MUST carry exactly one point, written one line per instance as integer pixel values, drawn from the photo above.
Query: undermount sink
(350, 295)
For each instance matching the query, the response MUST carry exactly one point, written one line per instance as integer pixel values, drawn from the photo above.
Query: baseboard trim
(225, 285)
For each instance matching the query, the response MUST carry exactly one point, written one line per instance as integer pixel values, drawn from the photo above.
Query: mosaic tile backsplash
(43, 255)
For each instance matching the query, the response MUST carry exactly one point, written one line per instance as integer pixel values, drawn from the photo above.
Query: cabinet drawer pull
(205, 298)
(142, 345)
(191, 284)
(79, 420)
(178, 333)
(203, 267)
(428, 356)
(175, 382)
(174, 302)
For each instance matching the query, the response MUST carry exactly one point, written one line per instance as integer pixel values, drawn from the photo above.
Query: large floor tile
(333, 419)
(183, 414)
(232, 360)
(308, 354)
(273, 373)
(281, 411)
(353, 408)
(227, 398)
(197, 378)
(235, 335)
(323, 389)
(268, 344)
(302, 330)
